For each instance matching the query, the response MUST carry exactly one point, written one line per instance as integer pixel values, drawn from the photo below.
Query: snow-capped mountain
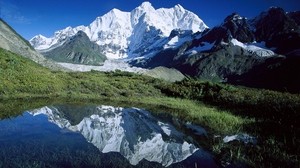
(122, 34)
(132, 132)
(237, 50)
(177, 38)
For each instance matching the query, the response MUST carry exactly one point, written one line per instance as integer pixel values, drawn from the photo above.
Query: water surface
(97, 136)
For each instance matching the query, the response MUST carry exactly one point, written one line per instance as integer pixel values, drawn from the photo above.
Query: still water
(98, 136)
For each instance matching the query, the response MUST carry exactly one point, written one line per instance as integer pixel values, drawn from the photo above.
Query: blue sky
(32, 17)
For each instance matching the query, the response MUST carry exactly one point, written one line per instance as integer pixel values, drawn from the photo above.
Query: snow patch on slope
(177, 41)
(254, 48)
(203, 47)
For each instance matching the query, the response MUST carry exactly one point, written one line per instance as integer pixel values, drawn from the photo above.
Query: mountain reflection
(132, 132)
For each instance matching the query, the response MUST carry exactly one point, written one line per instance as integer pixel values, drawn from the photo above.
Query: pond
(99, 136)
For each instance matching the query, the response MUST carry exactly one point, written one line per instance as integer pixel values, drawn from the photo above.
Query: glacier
(108, 66)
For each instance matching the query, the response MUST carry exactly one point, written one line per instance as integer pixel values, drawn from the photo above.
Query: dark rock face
(278, 30)
(239, 28)
(224, 63)
(295, 16)
(178, 32)
(217, 34)
(234, 26)
(77, 49)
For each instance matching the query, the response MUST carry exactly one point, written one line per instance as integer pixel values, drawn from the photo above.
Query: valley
(239, 51)
(220, 109)
(238, 79)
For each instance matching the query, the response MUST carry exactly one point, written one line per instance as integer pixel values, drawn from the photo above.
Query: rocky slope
(237, 50)
(77, 49)
(12, 41)
(278, 30)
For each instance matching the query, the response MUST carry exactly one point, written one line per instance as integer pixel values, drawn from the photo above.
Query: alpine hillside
(12, 41)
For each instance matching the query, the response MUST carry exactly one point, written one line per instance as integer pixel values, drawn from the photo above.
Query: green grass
(274, 117)
(218, 121)
(221, 109)
(247, 102)
(21, 77)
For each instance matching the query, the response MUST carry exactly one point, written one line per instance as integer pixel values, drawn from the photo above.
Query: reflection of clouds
(11, 13)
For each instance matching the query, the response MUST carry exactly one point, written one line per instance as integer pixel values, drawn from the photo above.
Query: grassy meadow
(270, 116)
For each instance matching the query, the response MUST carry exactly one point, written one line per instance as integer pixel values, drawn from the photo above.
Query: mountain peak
(115, 10)
(113, 13)
(233, 17)
(68, 28)
(81, 33)
(179, 7)
(234, 26)
(276, 11)
(121, 34)
(39, 36)
(146, 5)
(275, 8)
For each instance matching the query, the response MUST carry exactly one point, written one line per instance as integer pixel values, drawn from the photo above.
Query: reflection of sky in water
(135, 134)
